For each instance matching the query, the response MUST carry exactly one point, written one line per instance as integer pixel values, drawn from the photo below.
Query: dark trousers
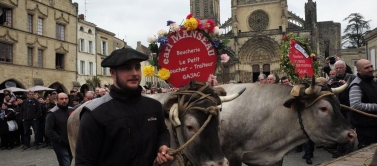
(7, 139)
(42, 122)
(366, 136)
(64, 155)
(19, 134)
(309, 149)
(27, 125)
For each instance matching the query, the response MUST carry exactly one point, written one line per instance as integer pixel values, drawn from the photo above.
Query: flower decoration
(224, 58)
(212, 78)
(207, 27)
(148, 71)
(163, 74)
(285, 63)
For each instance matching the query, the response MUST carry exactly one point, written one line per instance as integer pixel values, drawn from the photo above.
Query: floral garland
(286, 65)
(191, 23)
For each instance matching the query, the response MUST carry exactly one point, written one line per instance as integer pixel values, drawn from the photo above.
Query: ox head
(320, 112)
(189, 108)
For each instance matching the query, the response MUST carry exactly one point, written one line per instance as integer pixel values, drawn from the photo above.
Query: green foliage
(355, 31)
(94, 81)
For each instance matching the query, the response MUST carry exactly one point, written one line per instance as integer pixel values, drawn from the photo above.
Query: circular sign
(188, 56)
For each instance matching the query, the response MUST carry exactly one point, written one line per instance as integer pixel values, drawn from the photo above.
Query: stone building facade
(371, 47)
(38, 43)
(106, 42)
(255, 30)
(86, 56)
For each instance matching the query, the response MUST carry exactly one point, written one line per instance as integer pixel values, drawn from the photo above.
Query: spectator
(7, 137)
(102, 92)
(97, 95)
(262, 79)
(284, 80)
(30, 112)
(56, 130)
(271, 79)
(329, 65)
(363, 96)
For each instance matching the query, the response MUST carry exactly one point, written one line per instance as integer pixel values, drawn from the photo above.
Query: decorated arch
(259, 54)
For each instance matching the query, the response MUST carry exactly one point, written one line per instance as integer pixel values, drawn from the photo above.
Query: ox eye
(190, 128)
(323, 109)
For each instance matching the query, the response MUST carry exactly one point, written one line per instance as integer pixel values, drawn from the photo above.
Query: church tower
(310, 14)
(206, 9)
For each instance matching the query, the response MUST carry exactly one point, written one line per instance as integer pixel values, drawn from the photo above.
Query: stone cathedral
(255, 30)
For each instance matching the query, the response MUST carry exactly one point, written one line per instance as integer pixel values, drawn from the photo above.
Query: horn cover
(173, 115)
(232, 96)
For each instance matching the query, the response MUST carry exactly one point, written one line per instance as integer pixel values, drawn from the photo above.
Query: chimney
(81, 17)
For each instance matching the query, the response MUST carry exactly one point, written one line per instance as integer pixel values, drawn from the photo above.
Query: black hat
(121, 56)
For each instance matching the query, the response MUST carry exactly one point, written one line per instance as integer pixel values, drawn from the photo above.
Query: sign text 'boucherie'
(188, 55)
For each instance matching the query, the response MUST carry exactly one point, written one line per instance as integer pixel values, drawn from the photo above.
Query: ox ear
(289, 102)
(169, 103)
(220, 91)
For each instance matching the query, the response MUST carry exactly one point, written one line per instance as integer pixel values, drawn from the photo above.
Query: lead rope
(212, 110)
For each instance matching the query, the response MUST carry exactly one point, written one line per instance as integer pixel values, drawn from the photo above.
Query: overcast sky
(135, 20)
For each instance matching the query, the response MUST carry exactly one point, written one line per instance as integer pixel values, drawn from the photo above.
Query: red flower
(210, 26)
(189, 16)
(284, 37)
(200, 25)
(315, 58)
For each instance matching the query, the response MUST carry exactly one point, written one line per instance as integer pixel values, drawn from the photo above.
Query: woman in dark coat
(6, 114)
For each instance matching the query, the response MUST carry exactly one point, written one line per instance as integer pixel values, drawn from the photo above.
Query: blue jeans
(64, 155)
(35, 125)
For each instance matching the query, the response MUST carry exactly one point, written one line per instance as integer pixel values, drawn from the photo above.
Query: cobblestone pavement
(46, 157)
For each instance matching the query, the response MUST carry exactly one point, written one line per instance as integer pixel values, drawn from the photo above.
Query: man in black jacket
(123, 127)
(30, 112)
(363, 96)
(56, 130)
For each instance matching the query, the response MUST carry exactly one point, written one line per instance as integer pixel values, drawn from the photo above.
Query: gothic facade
(255, 30)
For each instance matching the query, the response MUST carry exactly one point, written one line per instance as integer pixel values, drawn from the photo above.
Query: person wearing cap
(54, 96)
(123, 127)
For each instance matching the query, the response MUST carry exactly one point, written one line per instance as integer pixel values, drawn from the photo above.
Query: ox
(257, 130)
(188, 109)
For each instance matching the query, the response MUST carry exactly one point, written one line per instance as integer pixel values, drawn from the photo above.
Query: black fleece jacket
(56, 125)
(122, 128)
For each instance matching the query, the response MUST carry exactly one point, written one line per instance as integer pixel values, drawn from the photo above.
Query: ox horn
(310, 90)
(341, 88)
(173, 115)
(232, 96)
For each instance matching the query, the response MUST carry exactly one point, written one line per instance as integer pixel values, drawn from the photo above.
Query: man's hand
(162, 155)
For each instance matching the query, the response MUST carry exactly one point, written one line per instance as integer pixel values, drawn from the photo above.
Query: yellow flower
(163, 74)
(191, 24)
(148, 71)
(312, 55)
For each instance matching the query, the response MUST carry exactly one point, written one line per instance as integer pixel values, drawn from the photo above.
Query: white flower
(216, 30)
(162, 32)
(174, 27)
(152, 39)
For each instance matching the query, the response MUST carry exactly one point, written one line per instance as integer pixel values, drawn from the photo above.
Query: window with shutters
(82, 67)
(40, 26)
(82, 45)
(40, 58)
(90, 47)
(6, 52)
(90, 68)
(30, 23)
(60, 32)
(30, 56)
(104, 48)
